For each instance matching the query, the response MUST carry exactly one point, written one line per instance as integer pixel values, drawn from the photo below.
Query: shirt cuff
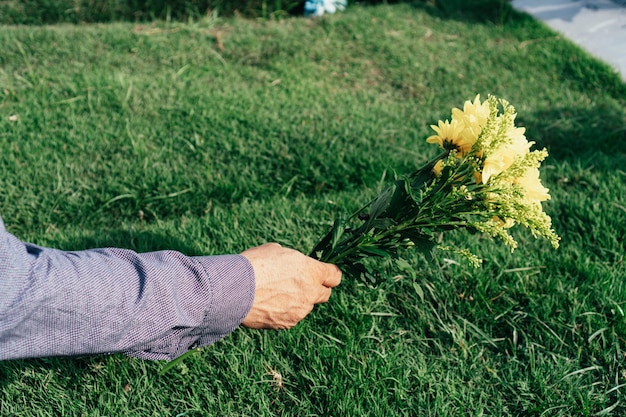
(231, 279)
(231, 284)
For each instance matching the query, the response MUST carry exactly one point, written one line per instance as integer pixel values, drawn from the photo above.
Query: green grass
(38, 12)
(212, 136)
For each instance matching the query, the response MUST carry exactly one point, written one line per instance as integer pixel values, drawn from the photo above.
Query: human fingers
(331, 275)
(323, 295)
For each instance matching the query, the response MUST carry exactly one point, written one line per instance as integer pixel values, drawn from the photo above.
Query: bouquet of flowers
(485, 179)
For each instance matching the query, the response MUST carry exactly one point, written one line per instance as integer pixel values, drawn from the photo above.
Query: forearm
(153, 305)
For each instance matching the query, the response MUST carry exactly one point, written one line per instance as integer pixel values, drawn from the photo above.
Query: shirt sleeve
(149, 305)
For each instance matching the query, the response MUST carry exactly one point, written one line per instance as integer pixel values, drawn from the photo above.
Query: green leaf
(381, 203)
(179, 360)
(419, 291)
(382, 223)
(353, 269)
(339, 228)
(426, 247)
(398, 200)
(322, 246)
(422, 176)
(415, 235)
(372, 250)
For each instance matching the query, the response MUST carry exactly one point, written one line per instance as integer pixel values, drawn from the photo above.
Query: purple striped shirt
(149, 305)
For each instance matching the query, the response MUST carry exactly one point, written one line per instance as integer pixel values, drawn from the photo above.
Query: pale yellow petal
(448, 132)
(533, 189)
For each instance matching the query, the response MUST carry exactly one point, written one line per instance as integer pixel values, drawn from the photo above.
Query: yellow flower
(463, 130)
(469, 135)
(448, 134)
(534, 191)
(474, 114)
(502, 158)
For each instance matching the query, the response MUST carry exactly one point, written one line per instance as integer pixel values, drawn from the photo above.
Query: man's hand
(288, 285)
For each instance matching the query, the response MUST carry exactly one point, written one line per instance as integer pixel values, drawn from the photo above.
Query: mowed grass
(212, 136)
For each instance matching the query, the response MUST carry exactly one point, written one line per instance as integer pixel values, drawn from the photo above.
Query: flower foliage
(486, 179)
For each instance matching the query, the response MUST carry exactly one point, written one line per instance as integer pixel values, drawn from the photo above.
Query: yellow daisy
(450, 135)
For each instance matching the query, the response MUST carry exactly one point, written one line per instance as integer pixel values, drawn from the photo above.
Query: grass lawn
(212, 136)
